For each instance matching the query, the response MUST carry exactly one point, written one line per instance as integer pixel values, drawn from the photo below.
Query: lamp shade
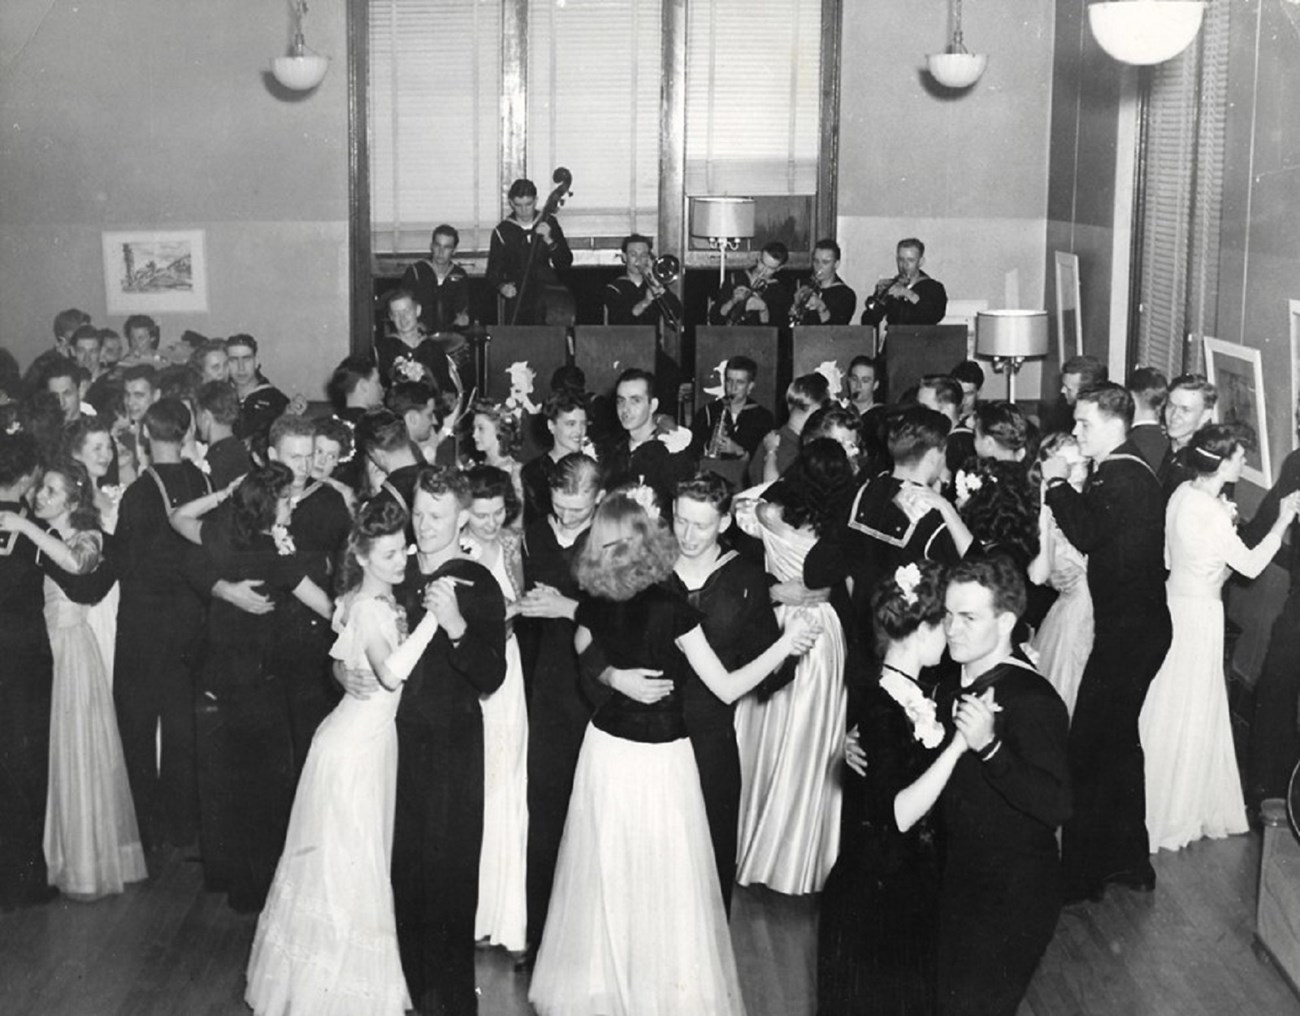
(1145, 31)
(1009, 333)
(300, 73)
(956, 70)
(722, 218)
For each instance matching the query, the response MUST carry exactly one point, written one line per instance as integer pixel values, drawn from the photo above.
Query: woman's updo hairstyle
(254, 500)
(906, 599)
(83, 516)
(377, 518)
(488, 482)
(1213, 445)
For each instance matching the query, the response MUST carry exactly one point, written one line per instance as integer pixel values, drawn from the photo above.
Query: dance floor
(165, 948)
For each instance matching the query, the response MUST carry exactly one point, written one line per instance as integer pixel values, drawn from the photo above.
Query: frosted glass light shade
(1145, 32)
(1011, 333)
(300, 73)
(722, 218)
(957, 70)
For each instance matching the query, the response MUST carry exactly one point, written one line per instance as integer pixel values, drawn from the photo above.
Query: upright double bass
(558, 301)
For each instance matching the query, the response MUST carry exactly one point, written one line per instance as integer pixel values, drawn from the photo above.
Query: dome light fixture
(1144, 32)
(956, 67)
(302, 69)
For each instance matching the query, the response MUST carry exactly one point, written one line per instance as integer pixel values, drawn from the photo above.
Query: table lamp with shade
(1008, 338)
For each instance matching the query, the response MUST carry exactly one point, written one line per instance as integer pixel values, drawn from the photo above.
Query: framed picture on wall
(1294, 318)
(152, 271)
(1238, 373)
(1069, 320)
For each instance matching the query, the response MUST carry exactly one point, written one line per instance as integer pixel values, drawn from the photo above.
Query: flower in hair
(830, 370)
(907, 577)
(645, 497)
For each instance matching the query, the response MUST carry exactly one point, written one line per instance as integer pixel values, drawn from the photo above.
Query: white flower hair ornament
(830, 370)
(645, 497)
(676, 440)
(519, 400)
(907, 577)
(720, 389)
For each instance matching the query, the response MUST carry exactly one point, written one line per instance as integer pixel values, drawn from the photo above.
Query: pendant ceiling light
(302, 69)
(1145, 32)
(956, 67)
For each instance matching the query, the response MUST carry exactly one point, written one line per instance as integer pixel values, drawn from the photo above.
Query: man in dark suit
(1118, 521)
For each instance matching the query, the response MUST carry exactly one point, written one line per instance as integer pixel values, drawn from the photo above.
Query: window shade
(1186, 116)
(435, 122)
(593, 106)
(752, 96)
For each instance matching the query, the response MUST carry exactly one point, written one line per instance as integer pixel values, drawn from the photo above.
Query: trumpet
(802, 296)
(664, 271)
(737, 313)
(876, 306)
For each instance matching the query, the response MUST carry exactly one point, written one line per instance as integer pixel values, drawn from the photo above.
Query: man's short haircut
(778, 251)
(999, 575)
(575, 473)
(140, 372)
(828, 244)
(1090, 370)
(968, 372)
(289, 425)
(105, 334)
(810, 391)
(565, 400)
(347, 375)
(568, 376)
(242, 339)
(381, 430)
(707, 488)
(913, 432)
(64, 368)
(143, 321)
(443, 229)
(1111, 400)
(68, 321)
(179, 381)
(745, 363)
(439, 481)
(167, 420)
(396, 294)
(19, 457)
(1004, 423)
(221, 400)
(521, 188)
(637, 374)
(1149, 387)
(912, 242)
(947, 392)
(409, 395)
(862, 360)
(88, 332)
(1196, 383)
(636, 238)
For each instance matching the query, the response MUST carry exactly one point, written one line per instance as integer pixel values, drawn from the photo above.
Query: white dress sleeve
(359, 622)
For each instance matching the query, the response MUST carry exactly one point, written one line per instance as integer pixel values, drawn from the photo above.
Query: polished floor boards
(166, 948)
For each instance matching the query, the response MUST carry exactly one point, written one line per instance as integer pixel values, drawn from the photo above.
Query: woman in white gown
(1064, 639)
(791, 741)
(326, 941)
(92, 841)
(502, 913)
(1193, 789)
(90, 442)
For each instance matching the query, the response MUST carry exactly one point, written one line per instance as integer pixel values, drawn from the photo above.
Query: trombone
(664, 271)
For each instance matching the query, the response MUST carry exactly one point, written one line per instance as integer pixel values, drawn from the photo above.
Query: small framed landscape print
(1238, 373)
(152, 271)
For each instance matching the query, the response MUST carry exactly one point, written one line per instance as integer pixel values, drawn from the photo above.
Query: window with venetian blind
(437, 109)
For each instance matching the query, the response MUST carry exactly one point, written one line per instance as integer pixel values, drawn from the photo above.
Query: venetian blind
(752, 96)
(593, 106)
(435, 123)
(1186, 117)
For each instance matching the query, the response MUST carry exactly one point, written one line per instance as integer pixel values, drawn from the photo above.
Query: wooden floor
(167, 949)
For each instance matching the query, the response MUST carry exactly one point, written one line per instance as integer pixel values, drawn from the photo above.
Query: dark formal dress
(740, 624)
(159, 635)
(247, 774)
(438, 824)
(1001, 886)
(1119, 522)
(559, 709)
(876, 943)
(26, 680)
